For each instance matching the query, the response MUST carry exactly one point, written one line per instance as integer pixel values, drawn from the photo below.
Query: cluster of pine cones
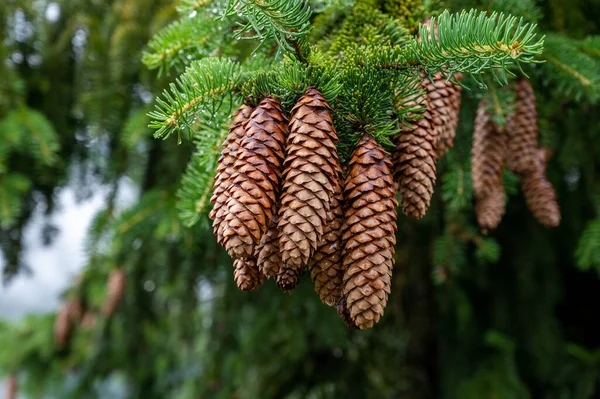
(73, 312)
(283, 204)
(516, 146)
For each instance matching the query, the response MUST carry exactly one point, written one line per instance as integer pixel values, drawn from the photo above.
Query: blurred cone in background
(115, 289)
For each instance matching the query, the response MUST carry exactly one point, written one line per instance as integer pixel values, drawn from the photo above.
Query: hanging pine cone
(115, 288)
(267, 253)
(326, 268)
(522, 129)
(443, 99)
(62, 326)
(225, 169)
(255, 182)
(487, 153)
(11, 387)
(540, 195)
(414, 161)
(288, 278)
(487, 163)
(246, 274)
(369, 232)
(311, 170)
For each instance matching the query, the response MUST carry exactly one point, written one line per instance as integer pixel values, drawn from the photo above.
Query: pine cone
(369, 232)
(288, 278)
(75, 309)
(311, 170)
(225, 168)
(246, 274)
(255, 182)
(491, 208)
(487, 153)
(11, 387)
(115, 288)
(539, 194)
(414, 161)
(268, 255)
(522, 130)
(62, 326)
(326, 268)
(443, 99)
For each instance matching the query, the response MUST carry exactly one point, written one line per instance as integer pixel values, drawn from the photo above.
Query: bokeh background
(85, 190)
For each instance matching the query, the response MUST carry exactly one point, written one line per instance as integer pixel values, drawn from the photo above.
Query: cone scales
(288, 278)
(225, 169)
(415, 161)
(311, 171)
(269, 257)
(487, 164)
(443, 98)
(326, 268)
(369, 233)
(255, 181)
(246, 274)
(522, 130)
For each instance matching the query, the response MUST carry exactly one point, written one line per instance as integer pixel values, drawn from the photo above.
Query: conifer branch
(285, 21)
(198, 94)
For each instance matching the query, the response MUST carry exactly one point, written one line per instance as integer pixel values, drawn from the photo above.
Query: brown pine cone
(267, 252)
(246, 274)
(75, 309)
(443, 99)
(414, 161)
(369, 232)
(522, 130)
(491, 208)
(311, 169)
(11, 387)
(288, 278)
(326, 268)
(116, 290)
(540, 195)
(487, 153)
(255, 182)
(225, 168)
(62, 326)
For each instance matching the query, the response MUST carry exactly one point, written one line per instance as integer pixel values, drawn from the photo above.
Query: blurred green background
(86, 190)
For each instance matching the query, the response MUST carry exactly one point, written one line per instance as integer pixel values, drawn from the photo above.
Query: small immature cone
(10, 387)
(487, 163)
(326, 267)
(369, 232)
(540, 195)
(62, 326)
(522, 130)
(311, 171)
(288, 278)
(267, 252)
(225, 169)
(115, 288)
(246, 274)
(255, 182)
(414, 161)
